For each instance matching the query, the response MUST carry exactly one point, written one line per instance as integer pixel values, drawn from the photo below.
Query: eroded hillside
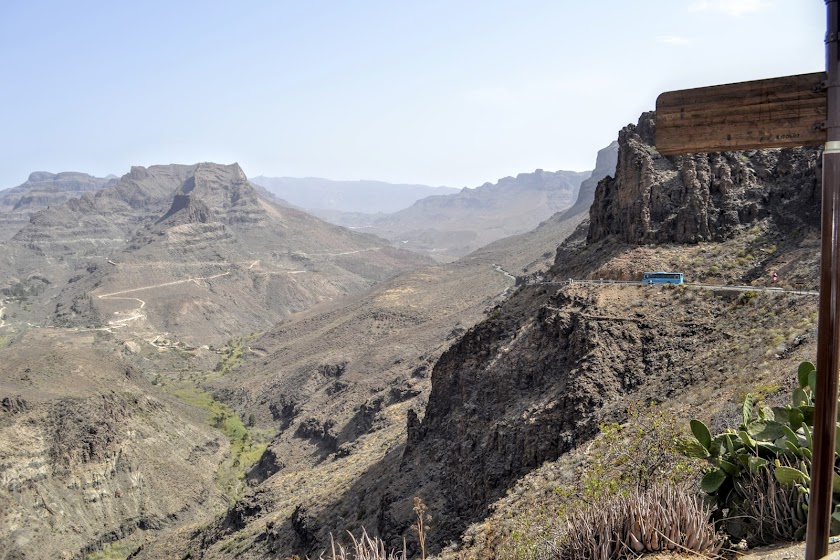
(443, 382)
(91, 452)
(42, 190)
(530, 384)
(191, 251)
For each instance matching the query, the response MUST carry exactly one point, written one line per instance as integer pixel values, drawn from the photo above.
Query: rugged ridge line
(700, 197)
(533, 380)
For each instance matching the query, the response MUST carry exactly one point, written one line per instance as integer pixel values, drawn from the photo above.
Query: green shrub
(747, 297)
(770, 441)
(630, 458)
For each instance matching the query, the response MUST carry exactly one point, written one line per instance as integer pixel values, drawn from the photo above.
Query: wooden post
(828, 342)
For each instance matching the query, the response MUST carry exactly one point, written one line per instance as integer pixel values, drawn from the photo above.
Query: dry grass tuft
(662, 518)
(364, 548)
(772, 512)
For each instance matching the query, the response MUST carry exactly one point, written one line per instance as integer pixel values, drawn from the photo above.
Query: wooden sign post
(791, 111)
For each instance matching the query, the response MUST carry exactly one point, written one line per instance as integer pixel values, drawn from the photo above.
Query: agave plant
(777, 439)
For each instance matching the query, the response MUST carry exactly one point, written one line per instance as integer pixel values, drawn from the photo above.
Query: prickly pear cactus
(774, 438)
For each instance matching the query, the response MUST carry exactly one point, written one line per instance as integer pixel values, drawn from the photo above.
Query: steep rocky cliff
(533, 381)
(521, 253)
(701, 197)
(605, 165)
(42, 190)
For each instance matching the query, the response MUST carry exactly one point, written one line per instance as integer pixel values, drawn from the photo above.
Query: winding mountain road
(772, 289)
(138, 312)
(498, 268)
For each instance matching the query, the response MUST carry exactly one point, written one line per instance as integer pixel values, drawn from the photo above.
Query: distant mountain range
(42, 189)
(191, 250)
(450, 226)
(320, 196)
(39, 191)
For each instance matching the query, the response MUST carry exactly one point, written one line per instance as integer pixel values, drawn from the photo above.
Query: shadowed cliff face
(534, 380)
(701, 197)
(526, 387)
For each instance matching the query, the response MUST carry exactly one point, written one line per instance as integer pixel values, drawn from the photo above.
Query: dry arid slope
(106, 436)
(517, 252)
(91, 452)
(445, 384)
(192, 251)
(337, 383)
(530, 384)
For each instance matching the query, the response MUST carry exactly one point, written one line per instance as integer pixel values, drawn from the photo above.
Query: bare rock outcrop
(701, 197)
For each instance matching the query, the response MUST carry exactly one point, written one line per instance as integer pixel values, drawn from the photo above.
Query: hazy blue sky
(445, 92)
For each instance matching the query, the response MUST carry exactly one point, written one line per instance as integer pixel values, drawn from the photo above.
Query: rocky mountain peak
(40, 176)
(699, 197)
(226, 189)
(186, 209)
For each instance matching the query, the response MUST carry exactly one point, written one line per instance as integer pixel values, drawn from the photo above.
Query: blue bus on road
(662, 278)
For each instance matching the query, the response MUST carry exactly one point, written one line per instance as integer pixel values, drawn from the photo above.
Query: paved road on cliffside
(773, 289)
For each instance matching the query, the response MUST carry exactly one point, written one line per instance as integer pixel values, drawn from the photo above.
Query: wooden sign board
(774, 113)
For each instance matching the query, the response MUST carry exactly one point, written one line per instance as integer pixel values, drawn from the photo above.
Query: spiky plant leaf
(795, 418)
(769, 448)
(807, 411)
(755, 463)
(692, 448)
(805, 368)
(790, 475)
(712, 480)
(799, 398)
(747, 409)
(765, 430)
(718, 447)
(791, 436)
(701, 432)
(781, 414)
(795, 449)
(730, 444)
(812, 382)
(728, 467)
(746, 439)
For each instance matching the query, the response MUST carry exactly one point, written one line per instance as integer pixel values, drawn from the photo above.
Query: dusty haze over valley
(365, 281)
